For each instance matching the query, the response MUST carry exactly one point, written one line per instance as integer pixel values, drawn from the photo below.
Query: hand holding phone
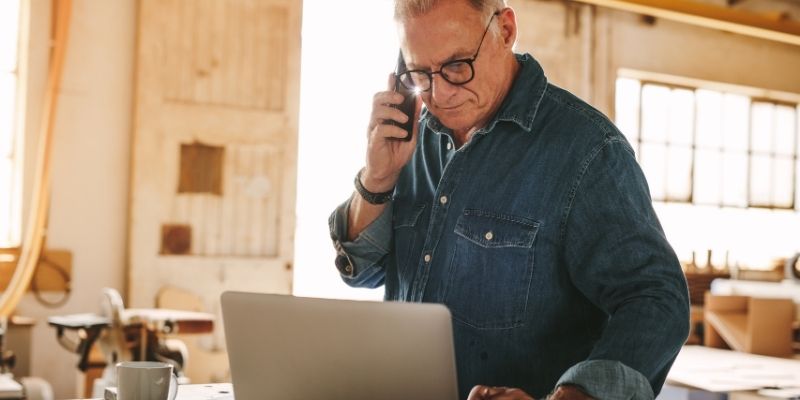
(409, 104)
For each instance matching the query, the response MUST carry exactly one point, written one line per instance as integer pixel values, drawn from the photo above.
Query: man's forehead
(432, 41)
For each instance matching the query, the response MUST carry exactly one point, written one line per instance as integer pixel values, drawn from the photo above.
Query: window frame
(754, 96)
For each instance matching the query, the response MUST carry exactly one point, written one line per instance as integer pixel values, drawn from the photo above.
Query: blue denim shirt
(540, 237)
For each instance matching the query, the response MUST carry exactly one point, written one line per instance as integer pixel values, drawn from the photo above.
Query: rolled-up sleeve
(608, 379)
(361, 262)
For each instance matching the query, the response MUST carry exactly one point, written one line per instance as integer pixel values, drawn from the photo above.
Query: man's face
(452, 31)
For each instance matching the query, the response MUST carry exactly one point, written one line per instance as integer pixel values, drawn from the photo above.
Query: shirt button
(348, 269)
(449, 146)
(443, 200)
(489, 235)
(427, 258)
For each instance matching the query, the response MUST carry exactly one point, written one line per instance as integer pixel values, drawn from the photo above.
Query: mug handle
(173, 386)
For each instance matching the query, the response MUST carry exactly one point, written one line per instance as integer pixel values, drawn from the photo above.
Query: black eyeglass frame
(430, 74)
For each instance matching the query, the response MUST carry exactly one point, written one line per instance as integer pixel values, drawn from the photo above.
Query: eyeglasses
(456, 72)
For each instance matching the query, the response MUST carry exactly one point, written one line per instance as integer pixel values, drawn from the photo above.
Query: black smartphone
(409, 104)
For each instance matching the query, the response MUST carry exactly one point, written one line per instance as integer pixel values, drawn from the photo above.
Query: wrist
(372, 197)
(376, 184)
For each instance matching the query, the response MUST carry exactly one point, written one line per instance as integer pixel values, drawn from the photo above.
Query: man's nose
(441, 90)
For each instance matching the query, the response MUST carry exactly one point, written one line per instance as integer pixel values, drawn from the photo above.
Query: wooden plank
(711, 16)
(212, 210)
(240, 239)
(232, 51)
(277, 54)
(227, 204)
(257, 194)
(218, 46)
(273, 217)
(201, 69)
(196, 220)
(248, 96)
(184, 51)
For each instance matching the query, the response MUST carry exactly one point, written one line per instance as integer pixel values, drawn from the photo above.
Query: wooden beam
(710, 16)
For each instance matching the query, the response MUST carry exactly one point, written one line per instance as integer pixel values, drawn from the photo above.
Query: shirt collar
(521, 102)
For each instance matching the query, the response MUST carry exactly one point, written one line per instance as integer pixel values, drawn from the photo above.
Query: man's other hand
(481, 392)
(569, 392)
(564, 392)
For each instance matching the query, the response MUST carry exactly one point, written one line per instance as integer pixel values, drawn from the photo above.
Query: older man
(522, 209)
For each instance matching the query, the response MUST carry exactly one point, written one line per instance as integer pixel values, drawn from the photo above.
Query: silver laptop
(285, 347)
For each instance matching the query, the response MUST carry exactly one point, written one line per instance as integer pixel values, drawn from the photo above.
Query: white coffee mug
(146, 380)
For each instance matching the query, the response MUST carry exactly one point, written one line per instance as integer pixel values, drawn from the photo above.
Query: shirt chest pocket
(491, 270)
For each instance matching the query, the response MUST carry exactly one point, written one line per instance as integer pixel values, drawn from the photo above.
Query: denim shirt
(540, 237)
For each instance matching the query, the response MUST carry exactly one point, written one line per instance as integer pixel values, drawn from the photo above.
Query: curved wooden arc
(35, 230)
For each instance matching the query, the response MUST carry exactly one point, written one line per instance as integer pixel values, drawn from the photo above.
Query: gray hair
(404, 9)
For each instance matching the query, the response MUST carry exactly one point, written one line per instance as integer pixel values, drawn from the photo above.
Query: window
(320, 190)
(712, 147)
(10, 143)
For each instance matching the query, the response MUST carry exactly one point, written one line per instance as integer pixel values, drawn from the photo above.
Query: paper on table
(717, 370)
(781, 393)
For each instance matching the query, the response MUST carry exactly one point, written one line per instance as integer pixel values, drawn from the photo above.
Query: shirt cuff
(607, 379)
(367, 250)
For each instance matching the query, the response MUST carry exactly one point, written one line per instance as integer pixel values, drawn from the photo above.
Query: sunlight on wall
(346, 59)
(10, 174)
(749, 238)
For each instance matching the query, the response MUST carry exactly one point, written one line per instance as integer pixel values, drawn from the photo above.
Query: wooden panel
(243, 221)
(230, 53)
(225, 73)
(53, 273)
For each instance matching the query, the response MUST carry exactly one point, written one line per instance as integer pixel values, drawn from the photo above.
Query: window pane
(7, 96)
(783, 190)
(681, 117)
(654, 163)
(679, 173)
(655, 106)
(784, 130)
(627, 108)
(735, 122)
(708, 177)
(9, 29)
(709, 119)
(734, 179)
(762, 127)
(760, 180)
(5, 201)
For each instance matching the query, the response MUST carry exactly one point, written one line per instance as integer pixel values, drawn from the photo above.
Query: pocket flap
(490, 230)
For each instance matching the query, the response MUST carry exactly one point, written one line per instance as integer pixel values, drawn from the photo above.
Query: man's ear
(508, 26)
